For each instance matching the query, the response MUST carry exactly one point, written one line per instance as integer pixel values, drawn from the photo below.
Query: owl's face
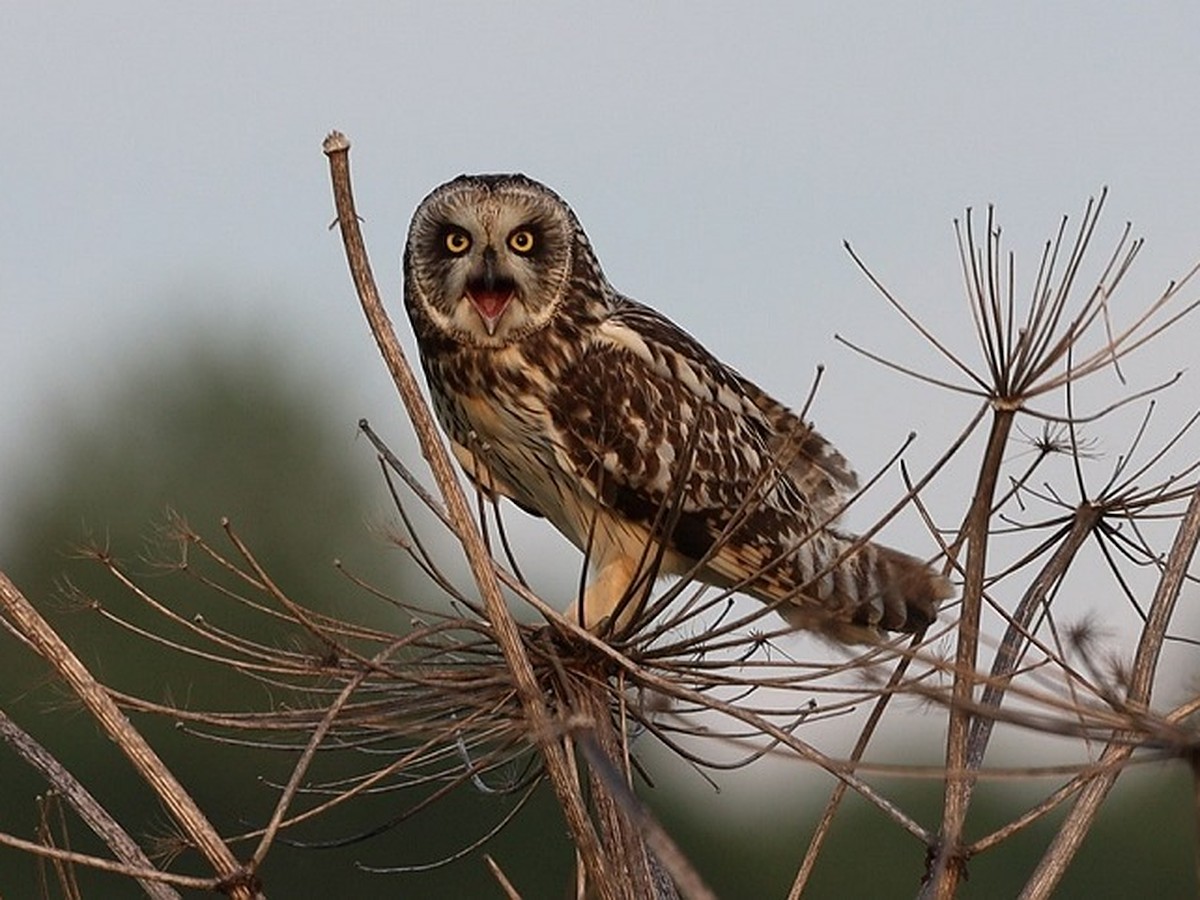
(488, 258)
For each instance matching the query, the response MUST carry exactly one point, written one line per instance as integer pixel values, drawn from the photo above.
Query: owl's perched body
(600, 414)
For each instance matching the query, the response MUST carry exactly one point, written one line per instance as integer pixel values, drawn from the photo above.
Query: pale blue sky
(717, 153)
(155, 153)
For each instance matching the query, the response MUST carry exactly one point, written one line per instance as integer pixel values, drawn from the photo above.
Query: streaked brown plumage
(586, 407)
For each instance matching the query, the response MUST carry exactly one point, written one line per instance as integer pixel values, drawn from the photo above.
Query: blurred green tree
(209, 433)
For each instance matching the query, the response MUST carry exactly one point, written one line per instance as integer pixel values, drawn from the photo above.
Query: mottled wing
(646, 405)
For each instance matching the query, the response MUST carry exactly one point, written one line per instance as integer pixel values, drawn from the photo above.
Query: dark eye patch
(450, 241)
(537, 244)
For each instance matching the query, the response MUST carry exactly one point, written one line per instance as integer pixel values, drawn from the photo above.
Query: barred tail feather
(911, 591)
(871, 589)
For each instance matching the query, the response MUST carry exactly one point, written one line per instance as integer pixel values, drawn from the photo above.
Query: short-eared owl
(600, 414)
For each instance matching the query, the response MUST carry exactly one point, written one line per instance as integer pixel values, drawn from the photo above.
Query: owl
(649, 454)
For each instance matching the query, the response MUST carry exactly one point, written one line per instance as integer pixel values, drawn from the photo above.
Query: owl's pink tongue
(490, 306)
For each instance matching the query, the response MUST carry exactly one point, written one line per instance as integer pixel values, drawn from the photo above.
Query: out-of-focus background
(178, 329)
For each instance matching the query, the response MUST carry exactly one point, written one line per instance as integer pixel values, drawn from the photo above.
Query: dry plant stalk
(465, 696)
(634, 877)
(1025, 361)
(231, 876)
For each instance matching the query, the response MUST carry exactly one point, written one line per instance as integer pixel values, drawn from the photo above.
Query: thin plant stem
(21, 613)
(337, 148)
(1071, 833)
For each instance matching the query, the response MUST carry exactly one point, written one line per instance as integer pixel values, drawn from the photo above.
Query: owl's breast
(495, 407)
(491, 397)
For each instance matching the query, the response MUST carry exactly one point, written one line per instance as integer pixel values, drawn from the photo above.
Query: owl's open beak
(490, 292)
(490, 304)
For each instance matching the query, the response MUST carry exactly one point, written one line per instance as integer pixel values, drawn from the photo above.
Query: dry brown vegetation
(464, 693)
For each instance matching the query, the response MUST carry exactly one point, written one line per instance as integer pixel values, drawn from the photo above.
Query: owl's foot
(614, 599)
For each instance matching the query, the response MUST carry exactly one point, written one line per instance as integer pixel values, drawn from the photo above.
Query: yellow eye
(521, 241)
(457, 241)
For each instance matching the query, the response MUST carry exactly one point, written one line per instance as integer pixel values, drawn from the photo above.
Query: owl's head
(489, 258)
